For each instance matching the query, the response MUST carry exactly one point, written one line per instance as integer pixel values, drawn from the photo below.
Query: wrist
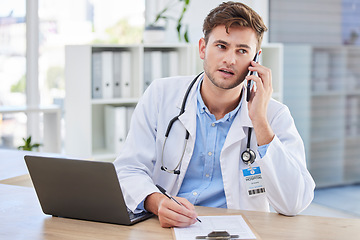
(152, 202)
(264, 133)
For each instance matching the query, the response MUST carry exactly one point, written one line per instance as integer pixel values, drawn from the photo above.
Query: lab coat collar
(236, 132)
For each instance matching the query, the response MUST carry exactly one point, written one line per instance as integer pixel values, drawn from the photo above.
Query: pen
(163, 191)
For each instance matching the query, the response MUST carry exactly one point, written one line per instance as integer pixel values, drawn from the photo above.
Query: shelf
(122, 101)
(327, 93)
(353, 92)
(325, 108)
(165, 45)
(87, 118)
(330, 139)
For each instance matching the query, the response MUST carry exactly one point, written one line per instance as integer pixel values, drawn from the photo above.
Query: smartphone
(250, 82)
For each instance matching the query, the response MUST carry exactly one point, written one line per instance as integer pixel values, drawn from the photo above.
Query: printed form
(233, 224)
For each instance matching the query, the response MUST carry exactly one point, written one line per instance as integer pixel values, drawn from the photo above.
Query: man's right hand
(169, 212)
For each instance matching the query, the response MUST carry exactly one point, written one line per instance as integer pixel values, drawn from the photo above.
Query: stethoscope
(248, 156)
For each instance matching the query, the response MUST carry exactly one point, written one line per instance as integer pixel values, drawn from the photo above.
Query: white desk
(21, 217)
(13, 169)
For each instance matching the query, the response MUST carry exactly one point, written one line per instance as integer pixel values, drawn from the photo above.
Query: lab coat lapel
(188, 118)
(242, 120)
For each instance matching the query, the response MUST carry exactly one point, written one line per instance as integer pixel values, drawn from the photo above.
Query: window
(12, 70)
(60, 23)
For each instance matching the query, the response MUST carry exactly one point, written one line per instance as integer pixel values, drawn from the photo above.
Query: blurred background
(320, 64)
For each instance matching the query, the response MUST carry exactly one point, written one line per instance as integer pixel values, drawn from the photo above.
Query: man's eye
(220, 46)
(242, 51)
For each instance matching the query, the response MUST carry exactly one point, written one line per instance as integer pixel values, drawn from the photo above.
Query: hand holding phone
(250, 82)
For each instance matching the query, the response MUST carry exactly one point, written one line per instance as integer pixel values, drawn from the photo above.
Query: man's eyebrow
(237, 45)
(222, 42)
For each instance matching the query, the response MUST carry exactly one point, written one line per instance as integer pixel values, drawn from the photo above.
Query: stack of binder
(111, 75)
(160, 64)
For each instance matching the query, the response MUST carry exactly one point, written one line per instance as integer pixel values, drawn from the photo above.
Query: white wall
(196, 14)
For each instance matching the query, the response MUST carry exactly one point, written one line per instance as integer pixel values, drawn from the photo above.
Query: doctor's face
(227, 56)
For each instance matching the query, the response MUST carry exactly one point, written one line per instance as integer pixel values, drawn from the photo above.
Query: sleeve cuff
(263, 149)
(140, 207)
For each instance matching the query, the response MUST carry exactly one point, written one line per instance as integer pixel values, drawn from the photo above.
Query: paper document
(233, 224)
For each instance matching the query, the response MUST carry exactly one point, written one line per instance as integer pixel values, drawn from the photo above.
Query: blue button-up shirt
(203, 183)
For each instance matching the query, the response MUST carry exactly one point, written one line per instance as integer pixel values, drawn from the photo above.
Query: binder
(129, 113)
(147, 69)
(107, 74)
(126, 85)
(117, 74)
(156, 65)
(115, 127)
(153, 61)
(96, 75)
(174, 63)
(165, 64)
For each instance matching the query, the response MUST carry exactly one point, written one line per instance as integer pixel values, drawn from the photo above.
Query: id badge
(254, 181)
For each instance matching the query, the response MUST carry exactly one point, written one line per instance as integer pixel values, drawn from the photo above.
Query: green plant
(20, 85)
(121, 32)
(28, 146)
(182, 35)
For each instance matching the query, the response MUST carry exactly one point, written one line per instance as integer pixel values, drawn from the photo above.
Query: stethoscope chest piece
(248, 156)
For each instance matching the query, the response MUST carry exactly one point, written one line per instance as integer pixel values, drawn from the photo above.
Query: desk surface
(21, 218)
(12, 163)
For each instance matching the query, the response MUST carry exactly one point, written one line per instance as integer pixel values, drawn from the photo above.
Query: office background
(321, 79)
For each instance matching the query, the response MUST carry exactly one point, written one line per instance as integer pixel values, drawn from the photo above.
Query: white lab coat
(289, 186)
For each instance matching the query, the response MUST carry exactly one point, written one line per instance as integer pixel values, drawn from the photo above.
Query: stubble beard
(225, 86)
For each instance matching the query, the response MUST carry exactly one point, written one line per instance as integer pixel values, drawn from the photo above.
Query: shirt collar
(202, 107)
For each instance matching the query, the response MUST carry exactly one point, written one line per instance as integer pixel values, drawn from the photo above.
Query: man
(209, 167)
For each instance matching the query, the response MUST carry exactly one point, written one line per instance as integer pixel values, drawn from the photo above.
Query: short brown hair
(234, 14)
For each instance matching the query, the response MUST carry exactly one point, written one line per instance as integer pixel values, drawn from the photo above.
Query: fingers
(263, 80)
(264, 73)
(186, 204)
(172, 214)
(261, 96)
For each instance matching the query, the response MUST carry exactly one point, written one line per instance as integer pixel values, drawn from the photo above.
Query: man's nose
(230, 58)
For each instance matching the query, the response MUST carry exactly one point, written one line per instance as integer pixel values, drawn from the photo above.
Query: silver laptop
(80, 189)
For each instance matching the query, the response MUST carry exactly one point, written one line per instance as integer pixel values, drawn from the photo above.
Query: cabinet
(85, 118)
(322, 90)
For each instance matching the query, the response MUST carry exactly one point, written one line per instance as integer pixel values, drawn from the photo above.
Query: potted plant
(28, 146)
(154, 32)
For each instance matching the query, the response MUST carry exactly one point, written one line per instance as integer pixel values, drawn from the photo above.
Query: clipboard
(235, 224)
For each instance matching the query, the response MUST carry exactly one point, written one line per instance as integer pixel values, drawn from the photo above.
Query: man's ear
(202, 46)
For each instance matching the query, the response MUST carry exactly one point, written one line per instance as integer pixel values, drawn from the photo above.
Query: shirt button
(213, 124)
(209, 153)
(194, 193)
(207, 175)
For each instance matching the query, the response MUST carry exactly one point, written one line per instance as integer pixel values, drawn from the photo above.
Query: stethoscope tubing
(176, 170)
